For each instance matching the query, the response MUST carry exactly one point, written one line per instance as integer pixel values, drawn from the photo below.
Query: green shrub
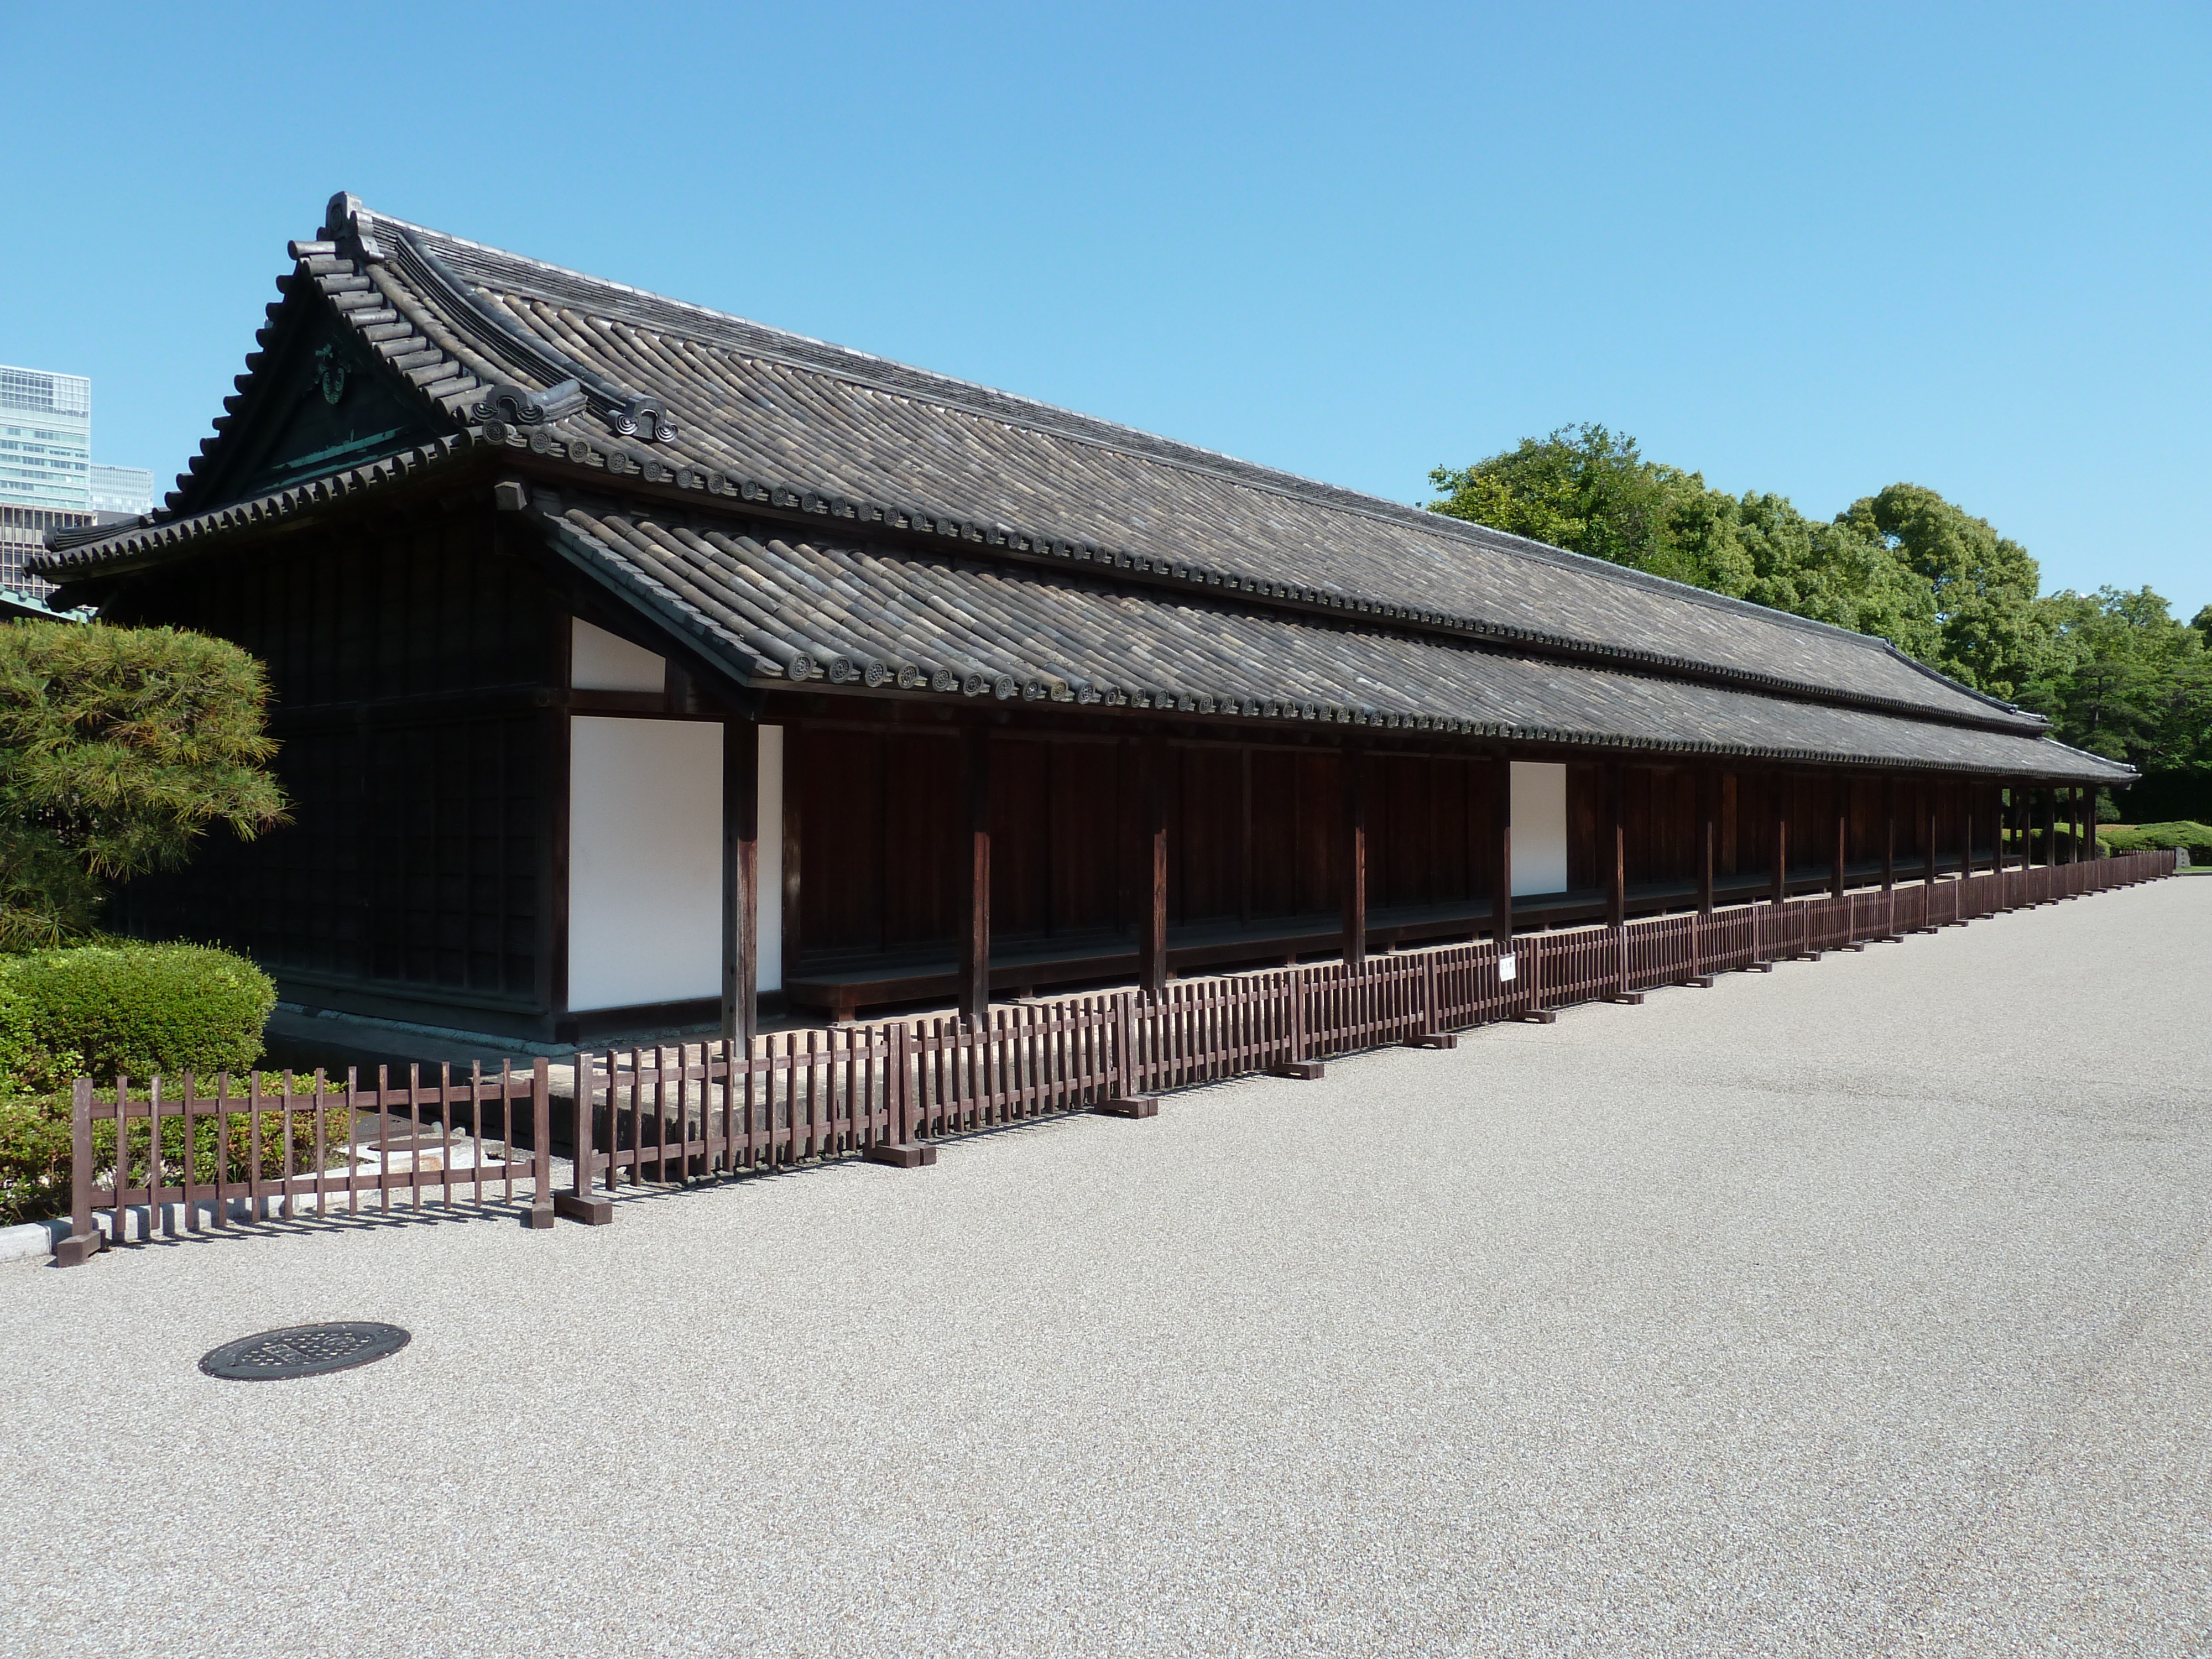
(34, 1158)
(2195, 838)
(137, 1009)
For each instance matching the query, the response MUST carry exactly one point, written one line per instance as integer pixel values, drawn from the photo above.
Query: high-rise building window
(48, 479)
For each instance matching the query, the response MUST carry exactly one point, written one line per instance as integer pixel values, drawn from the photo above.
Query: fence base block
(901, 1155)
(1699, 983)
(1432, 1039)
(1859, 946)
(1540, 1017)
(1761, 968)
(1129, 1106)
(1302, 1071)
(538, 1216)
(1633, 999)
(73, 1252)
(591, 1212)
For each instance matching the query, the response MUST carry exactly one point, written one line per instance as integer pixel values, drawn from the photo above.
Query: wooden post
(740, 880)
(1501, 855)
(1966, 833)
(1889, 835)
(84, 1241)
(1838, 877)
(1709, 789)
(975, 875)
(1355, 856)
(2050, 826)
(1928, 844)
(1153, 890)
(1613, 850)
(1778, 875)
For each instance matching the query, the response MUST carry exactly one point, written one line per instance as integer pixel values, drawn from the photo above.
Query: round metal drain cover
(304, 1351)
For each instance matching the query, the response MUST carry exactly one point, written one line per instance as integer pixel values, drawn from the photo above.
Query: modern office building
(46, 440)
(47, 478)
(121, 492)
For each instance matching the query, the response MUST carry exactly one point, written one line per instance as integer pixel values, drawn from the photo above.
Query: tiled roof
(506, 352)
(838, 607)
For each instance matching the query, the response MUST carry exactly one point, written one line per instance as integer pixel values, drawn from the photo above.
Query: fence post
(84, 1240)
(1536, 1012)
(1300, 1064)
(540, 1212)
(1431, 1034)
(904, 1151)
(581, 1203)
(1128, 1100)
(902, 1086)
(1620, 991)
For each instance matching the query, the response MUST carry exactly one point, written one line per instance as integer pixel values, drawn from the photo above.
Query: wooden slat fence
(676, 1113)
(305, 1144)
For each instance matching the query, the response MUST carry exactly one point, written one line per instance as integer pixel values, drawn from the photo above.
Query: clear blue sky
(1814, 252)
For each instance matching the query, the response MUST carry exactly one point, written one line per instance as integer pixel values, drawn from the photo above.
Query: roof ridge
(1062, 422)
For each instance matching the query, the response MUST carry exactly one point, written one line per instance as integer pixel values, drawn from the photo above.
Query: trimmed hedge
(132, 1008)
(121, 1006)
(2195, 839)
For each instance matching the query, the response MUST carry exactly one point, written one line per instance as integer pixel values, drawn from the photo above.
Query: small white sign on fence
(1506, 967)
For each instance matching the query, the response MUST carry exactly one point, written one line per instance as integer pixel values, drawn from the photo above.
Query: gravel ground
(1859, 1308)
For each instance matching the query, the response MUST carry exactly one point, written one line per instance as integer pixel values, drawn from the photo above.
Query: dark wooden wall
(407, 654)
(1254, 833)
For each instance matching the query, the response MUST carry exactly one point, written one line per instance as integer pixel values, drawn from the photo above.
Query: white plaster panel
(1540, 828)
(644, 853)
(771, 977)
(600, 661)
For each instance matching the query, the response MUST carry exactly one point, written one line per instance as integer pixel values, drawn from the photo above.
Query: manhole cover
(304, 1351)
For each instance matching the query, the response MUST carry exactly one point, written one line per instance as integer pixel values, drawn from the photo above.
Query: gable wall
(406, 653)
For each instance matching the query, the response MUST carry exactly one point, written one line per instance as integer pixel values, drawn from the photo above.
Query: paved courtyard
(1861, 1307)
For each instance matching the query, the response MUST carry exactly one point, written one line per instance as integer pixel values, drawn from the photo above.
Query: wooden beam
(1354, 947)
(1501, 854)
(1838, 877)
(1152, 883)
(1708, 790)
(1614, 848)
(740, 881)
(1889, 835)
(976, 874)
(1244, 835)
(1778, 863)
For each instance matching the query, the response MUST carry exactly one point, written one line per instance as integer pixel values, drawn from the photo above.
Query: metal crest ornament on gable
(330, 371)
(519, 406)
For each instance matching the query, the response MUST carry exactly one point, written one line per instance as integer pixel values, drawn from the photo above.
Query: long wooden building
(633, 662)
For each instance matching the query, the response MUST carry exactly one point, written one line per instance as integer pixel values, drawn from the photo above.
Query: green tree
(1590, 491)
(2116, 672)
(120, 748)
(1983, 584)
(2120, 676)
